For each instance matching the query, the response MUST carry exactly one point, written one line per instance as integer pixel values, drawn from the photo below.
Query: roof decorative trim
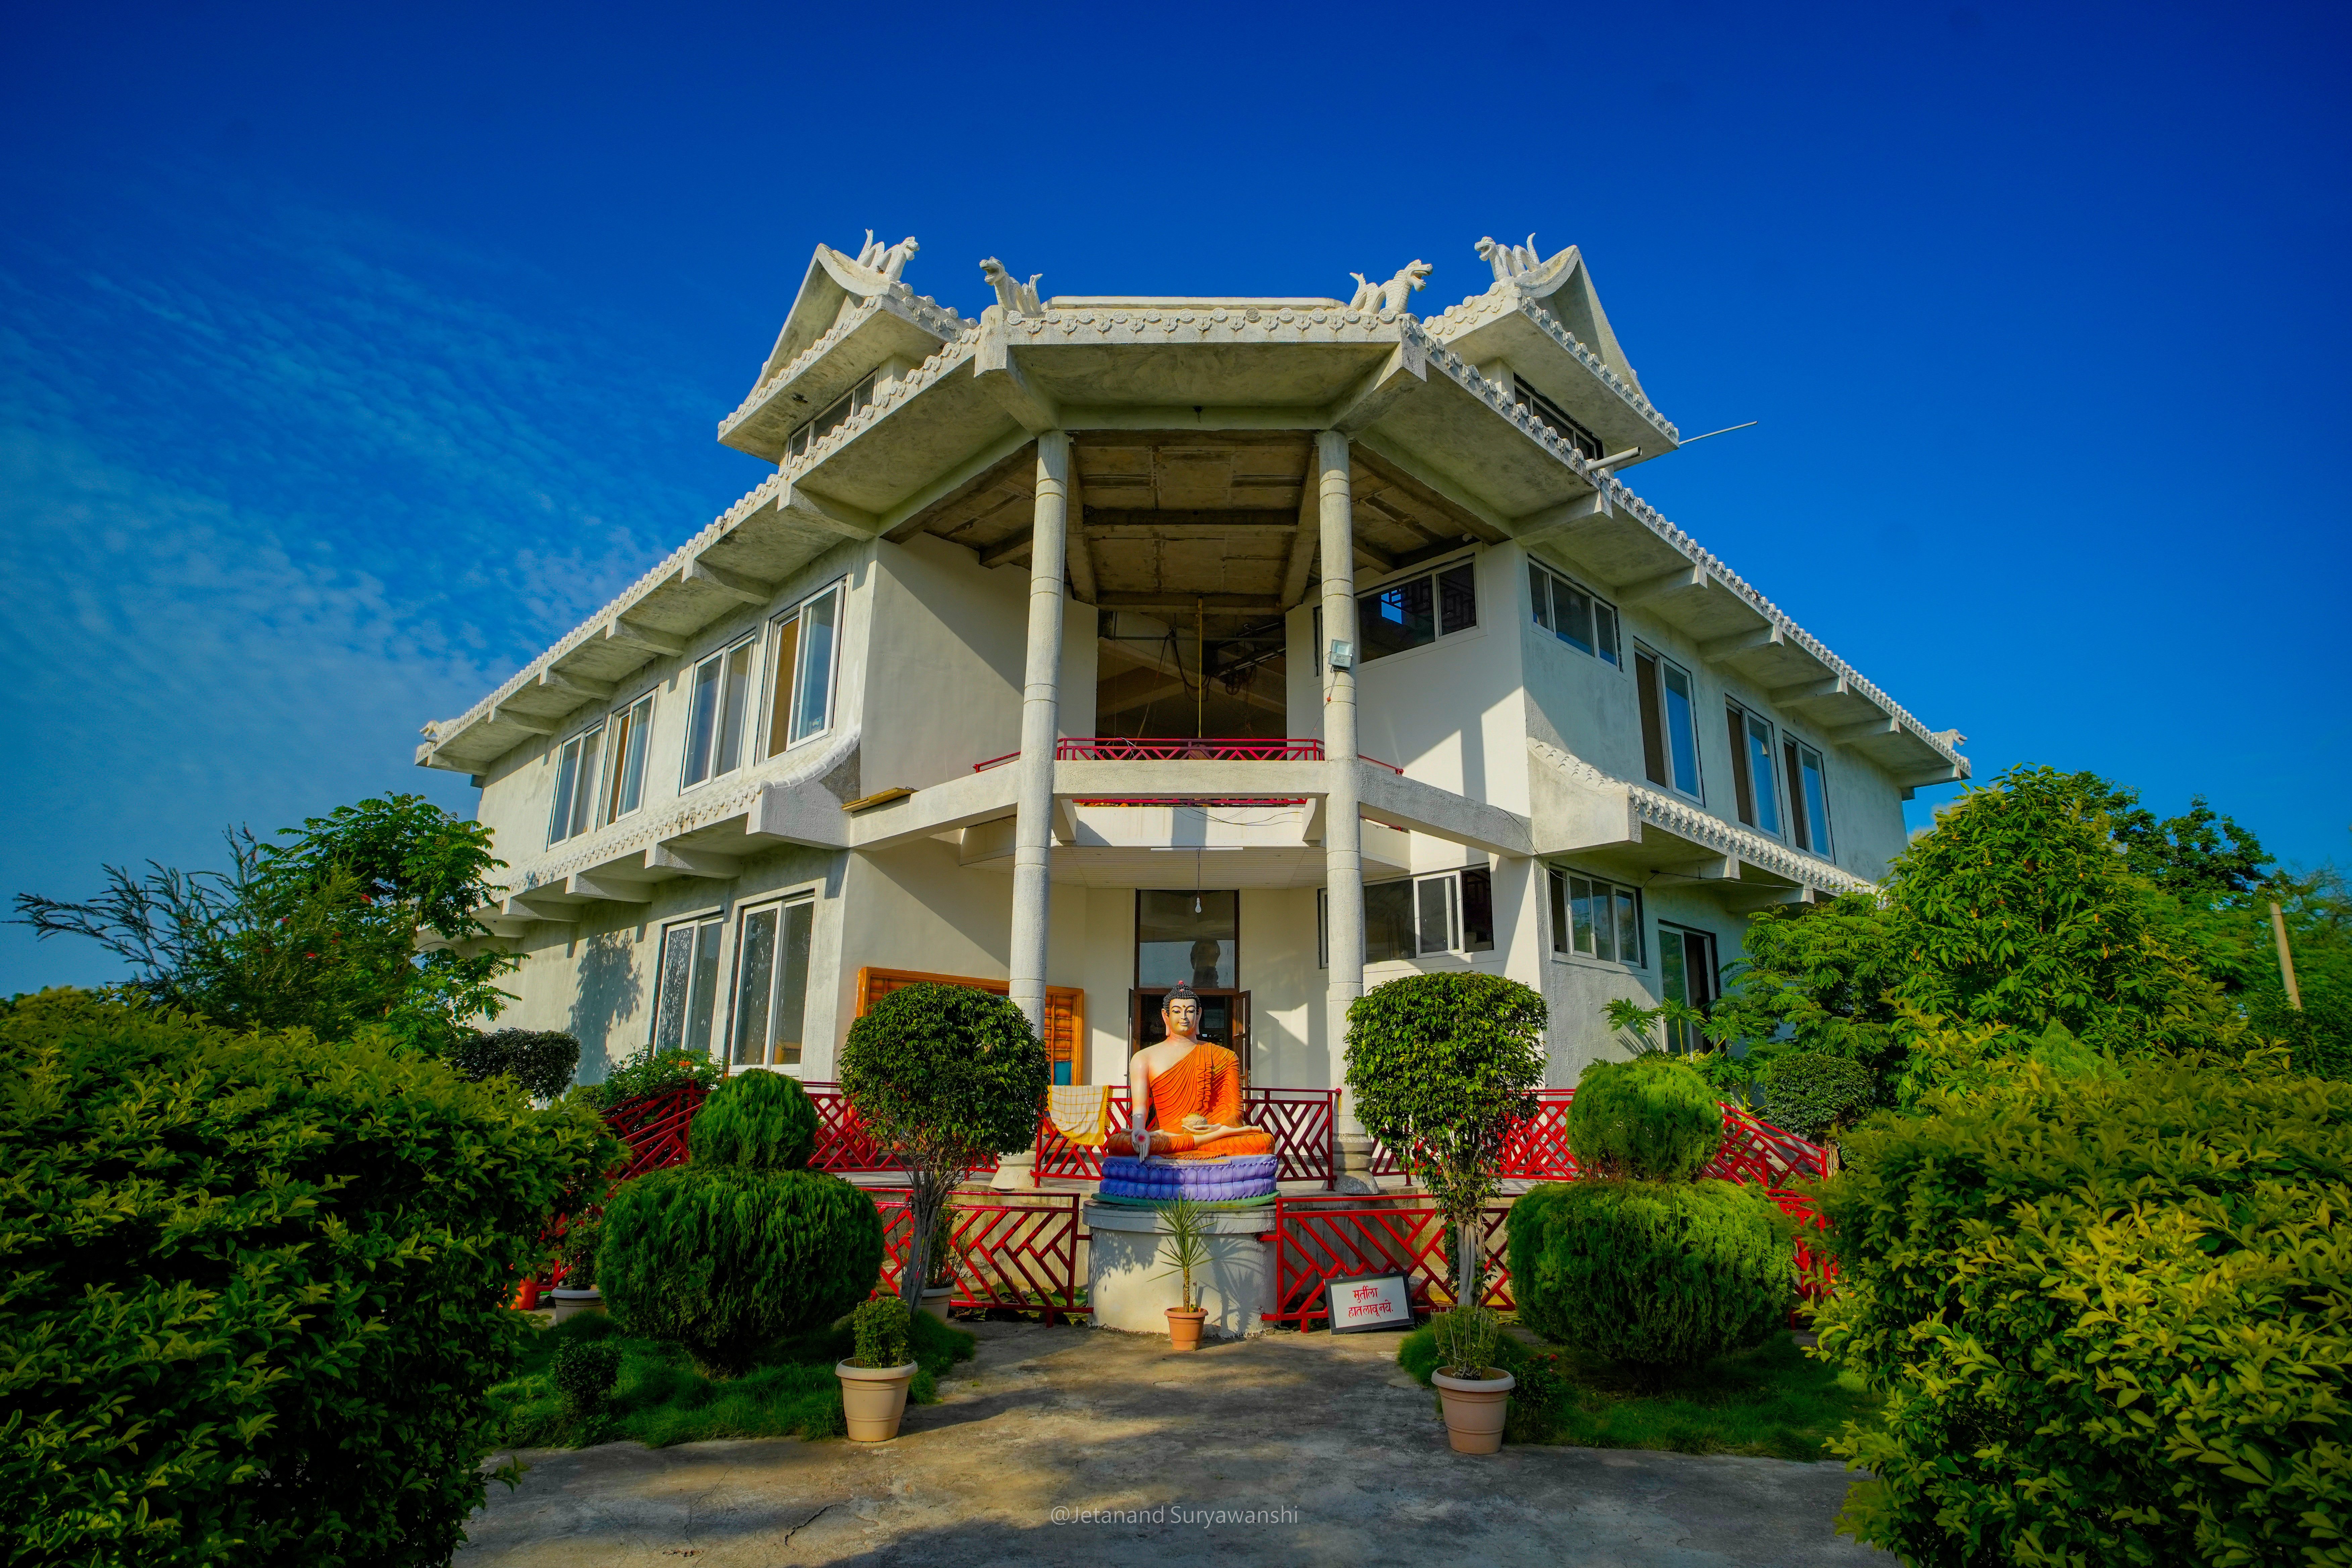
(1686, 821)
(1508, 297)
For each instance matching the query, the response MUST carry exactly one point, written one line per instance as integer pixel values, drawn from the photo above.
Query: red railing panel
(1753, 1149)
(1320, 1238)
(1302, 1120)
(1012, 1249)
(1184, 749)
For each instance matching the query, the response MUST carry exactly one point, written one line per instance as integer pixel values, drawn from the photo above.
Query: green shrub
(581, 1237)
(879, 1327)
(1659, 1274)
(758, 1121)
(2111, 1315)
(650, 1072)
(945, 1078)
(255, 1287)
(1444, 1067)
(724, 1258)
(1812, 1093)
(1651, 1119)
(583, 1373)
(542, 1060)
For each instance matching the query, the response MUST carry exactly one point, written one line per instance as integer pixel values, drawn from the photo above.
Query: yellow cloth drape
(1081, 1112)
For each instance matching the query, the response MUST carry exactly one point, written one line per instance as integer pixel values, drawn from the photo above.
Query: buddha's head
(1180, 1013)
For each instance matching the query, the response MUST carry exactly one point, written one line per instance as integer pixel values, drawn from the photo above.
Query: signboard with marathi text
(1369, 1301)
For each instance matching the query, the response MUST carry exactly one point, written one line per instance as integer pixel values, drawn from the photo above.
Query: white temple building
(1280, 645)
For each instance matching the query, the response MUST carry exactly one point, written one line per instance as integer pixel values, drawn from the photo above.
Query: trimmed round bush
(758, 1121)
(584, 1372)
(255, 1290)
(1651, 1119)
(1657, 1274)
(2110, 1314)
(724, 1259)
(542, 1060)
(1810, 1093)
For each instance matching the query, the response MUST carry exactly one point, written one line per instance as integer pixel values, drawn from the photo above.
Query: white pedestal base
(1130, 1283)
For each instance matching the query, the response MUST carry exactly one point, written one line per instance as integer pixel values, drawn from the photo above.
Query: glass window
(1387, 923)
(1451, 912)
(1809, 804)
(1438, 899)
(574, 809)
(1687, 974)
(1551, 414)
(688, 979)
(1416, 612)
(1574, 613)
(1539, 595)
(1757, 793)
(714, 726)
(1477, 909)
(1598, 919)
(831, 416)
(801, 670)
(771, 962)
(1604, 632)
(624, 787)
(1669, 722)
(1175, 943)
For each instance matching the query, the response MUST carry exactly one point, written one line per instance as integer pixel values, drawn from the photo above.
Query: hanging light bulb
(1196, 902)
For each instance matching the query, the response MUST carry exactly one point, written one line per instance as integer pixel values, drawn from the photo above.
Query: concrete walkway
(1338, 1453)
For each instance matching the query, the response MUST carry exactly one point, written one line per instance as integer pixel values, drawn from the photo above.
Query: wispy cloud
(276, 486)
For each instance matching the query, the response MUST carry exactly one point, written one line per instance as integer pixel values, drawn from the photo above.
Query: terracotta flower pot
(937, 1298)
(1185, 1327)
(874, 1398)
(1475, 1408)
(572, 1303)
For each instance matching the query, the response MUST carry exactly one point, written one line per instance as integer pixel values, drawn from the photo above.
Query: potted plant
(939, 1290)
(1443, 1069)
(578, 1292)
(874, 1380)
(1188, 1248)
(1475, 1392)
(944, 1077)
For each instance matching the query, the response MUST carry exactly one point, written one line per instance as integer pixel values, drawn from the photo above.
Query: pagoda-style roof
(1193, 422)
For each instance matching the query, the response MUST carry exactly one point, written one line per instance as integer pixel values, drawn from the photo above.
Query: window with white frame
(1809, 796)
(802, 658)
(1597, 918)
(687, 981)
(1414, 917)
(625, 758)
(1573, 615)
(1687, 974)
(576, 776)
(1416, 611)
(771, 965)
(719, 709)
(830, 417)
(1669, 722)
(1755, 786)
(1553, 415)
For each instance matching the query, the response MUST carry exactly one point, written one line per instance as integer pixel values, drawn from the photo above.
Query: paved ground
(1337, 1450)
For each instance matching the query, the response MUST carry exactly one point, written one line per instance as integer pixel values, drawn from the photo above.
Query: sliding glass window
(720, 701)
(801, 668)
(771, 967)
(1754, 777)
(688, 977)
(577, 777)
(1809, 798)
(1669, 722)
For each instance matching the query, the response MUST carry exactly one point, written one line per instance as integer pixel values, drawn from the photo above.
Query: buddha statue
(1185, 1137)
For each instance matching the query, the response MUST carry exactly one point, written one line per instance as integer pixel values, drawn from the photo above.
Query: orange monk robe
(1206, 1081)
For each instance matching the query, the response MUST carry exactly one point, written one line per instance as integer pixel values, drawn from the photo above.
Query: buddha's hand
(1196, 1123)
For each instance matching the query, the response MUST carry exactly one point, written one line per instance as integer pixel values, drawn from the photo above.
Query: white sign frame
(1377, 1301)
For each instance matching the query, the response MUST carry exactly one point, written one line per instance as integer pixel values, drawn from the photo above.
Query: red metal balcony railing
(1180, 749)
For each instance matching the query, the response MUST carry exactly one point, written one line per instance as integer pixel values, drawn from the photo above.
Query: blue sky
(347, 359)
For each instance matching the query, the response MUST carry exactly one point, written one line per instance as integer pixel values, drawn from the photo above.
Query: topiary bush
(740, 1246)
(542, 1060)
(1655, 1274)
(2112, 1314)
(1444, 1066)
(255, 1287)
(1812, 1093)
(945, 1078)
(758, 1121)
(1651, 1119)
(583, 1373)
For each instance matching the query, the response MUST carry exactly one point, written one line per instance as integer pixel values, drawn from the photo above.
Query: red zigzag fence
(1021, 1251)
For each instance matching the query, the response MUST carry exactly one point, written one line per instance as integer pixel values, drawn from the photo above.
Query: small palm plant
(1188, 1244)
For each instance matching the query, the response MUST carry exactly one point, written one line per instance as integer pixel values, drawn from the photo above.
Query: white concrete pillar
(1343, 829)
(1033, 845)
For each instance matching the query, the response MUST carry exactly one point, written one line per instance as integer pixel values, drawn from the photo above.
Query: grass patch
(660, 1399)
(1773, 1402)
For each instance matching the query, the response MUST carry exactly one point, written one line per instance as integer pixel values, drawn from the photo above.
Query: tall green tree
(316, 929)
(2024, 908)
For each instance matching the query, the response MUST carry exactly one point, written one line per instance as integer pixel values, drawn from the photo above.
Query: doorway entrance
(1192, 939)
